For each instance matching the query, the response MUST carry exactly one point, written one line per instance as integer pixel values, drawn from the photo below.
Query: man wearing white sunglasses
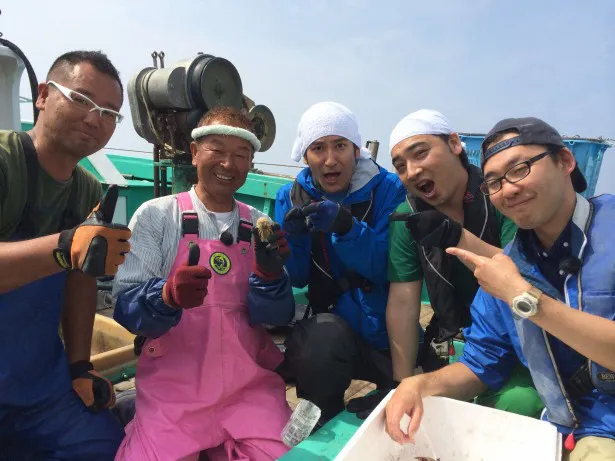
(56, 236)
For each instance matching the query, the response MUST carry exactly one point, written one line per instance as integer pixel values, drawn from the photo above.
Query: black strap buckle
(580, 383)
(190, 223)
(441, 349)
(138, 344)
(244, 233)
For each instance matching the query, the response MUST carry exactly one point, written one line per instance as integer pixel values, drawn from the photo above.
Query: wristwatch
(526, 304)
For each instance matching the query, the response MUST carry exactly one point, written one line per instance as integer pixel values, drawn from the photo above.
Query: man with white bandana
(444, 208)
(336, 218)
(547, 300)
(198, 284)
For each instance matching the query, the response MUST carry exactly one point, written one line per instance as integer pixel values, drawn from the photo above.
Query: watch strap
(534, 292)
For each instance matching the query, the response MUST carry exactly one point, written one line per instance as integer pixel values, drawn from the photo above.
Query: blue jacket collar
(366, 176)
(520, 248)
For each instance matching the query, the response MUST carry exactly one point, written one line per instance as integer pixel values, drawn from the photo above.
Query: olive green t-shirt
(405, 264)
(51, 196)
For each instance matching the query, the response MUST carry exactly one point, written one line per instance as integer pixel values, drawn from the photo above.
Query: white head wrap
(424, 121)
(228, 131)
(326, 119)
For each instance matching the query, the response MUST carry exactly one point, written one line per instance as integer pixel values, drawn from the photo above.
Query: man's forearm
(402, 325)
(590, 335)
(402, 317)
(27, 261)
(404, 348)
(78, 316)
(455, 381)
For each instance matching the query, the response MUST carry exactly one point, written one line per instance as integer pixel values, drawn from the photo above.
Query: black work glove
(96, 247)
(431, 228)
(294, 222)
(328, 216)
(270, 255)
(363, 406)
(95, 391)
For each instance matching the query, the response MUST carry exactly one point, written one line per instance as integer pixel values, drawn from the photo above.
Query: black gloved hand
(431, 228)
(328, 216)
(363, 406)
(294, 222)
(95, 391)
(270, 255)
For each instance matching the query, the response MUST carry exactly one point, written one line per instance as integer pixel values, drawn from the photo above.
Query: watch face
(524, 306)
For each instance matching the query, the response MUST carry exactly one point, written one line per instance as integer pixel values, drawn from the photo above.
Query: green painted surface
(328, 441)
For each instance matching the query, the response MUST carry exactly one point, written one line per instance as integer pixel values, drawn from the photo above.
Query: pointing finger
(471, 260)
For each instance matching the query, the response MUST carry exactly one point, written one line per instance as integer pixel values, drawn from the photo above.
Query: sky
(476, 61)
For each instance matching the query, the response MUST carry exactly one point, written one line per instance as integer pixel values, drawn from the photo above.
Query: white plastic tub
(453, 431)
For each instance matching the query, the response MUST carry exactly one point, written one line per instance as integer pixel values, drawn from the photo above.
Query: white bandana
(227, 131)
(424, 121)
(326, 119)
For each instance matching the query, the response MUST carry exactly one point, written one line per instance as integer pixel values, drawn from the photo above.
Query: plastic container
(301, 423)
(588, 152)
(452, 430)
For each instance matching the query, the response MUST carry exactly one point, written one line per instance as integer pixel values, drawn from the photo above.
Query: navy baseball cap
(531, 131)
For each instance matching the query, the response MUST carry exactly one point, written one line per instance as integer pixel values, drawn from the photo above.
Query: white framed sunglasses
(87, 104)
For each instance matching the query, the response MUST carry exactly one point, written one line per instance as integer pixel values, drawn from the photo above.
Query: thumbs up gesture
(95, 247)
(187, 286)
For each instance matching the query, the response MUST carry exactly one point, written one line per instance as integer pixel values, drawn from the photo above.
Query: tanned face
(429, 167)
(332, 160)
(535, 200)
(222, 163)
(67, 124)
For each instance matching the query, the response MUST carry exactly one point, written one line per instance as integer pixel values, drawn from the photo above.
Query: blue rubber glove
(328, 216)
(294, 222)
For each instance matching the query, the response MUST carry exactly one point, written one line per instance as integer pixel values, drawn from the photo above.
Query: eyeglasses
(86, 103)
(514, 174)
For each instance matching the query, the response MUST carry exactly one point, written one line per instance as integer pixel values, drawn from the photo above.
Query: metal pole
(372, 146)
(156, 171)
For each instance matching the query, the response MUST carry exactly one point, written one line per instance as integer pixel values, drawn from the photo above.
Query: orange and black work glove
(187, 286)
(96, 247)
(270, 255)
(95, 391)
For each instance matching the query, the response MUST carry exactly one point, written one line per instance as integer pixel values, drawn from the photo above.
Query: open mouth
(426, 187)
(331, 177)
(222, 177)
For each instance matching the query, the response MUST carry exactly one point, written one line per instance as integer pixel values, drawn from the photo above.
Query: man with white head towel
(444, 208)
(336, 218)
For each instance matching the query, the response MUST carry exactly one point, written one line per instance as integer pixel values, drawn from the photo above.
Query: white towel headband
(227, 131)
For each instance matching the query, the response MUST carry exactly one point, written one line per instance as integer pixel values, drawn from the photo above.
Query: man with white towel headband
(198, 284)
(546, 300)
(444, 192)
(336, 218)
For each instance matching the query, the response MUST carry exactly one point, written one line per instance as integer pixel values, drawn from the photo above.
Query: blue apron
(33, 365)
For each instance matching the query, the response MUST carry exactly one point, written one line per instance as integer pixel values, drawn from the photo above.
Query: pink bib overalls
(208, 383)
